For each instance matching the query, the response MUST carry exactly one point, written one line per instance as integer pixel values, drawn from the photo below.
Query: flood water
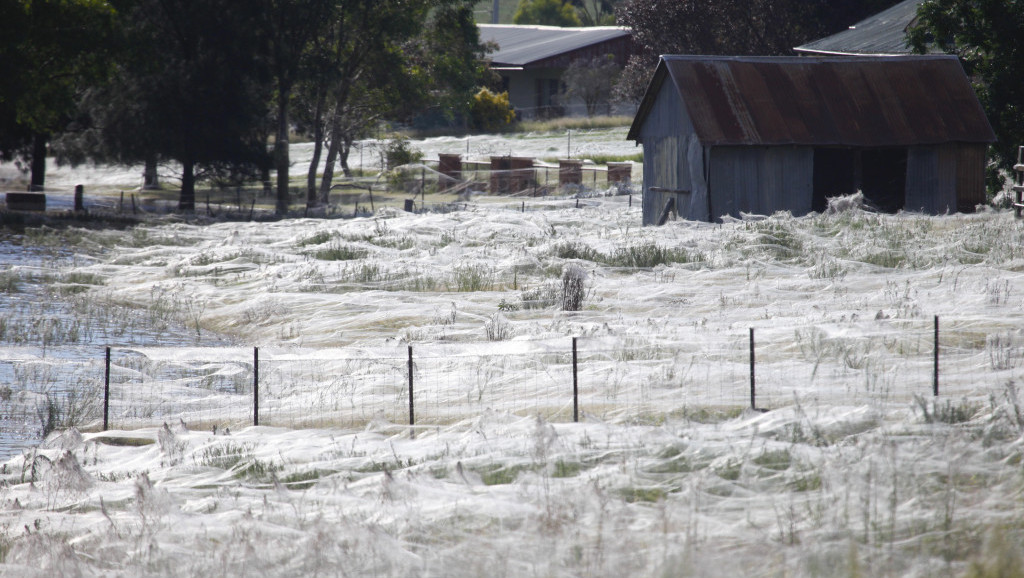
(52, 345)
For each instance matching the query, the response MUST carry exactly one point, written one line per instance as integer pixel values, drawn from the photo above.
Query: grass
(10, 282)
(633, 256)
(574, 123)
(338, 251)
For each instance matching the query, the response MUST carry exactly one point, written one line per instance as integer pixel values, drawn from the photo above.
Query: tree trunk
(38, 179)
(346, 147)
(318, 145)
(281, 151)
(332, 155)
(187, 200)
(150, 178)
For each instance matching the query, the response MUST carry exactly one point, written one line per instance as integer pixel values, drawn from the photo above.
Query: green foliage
(75, 283)
(778, 460)
(547, 13)
(471, 278)
(579, 122)
(340, 252)
(398, 151)
(540, 297)
(573, 289)
(49, 51)
(498, 475)
(10, 282)
(239, 458)
(989, 39)
(564, 469)
(1001, 558)
(319, 238)
(641, 255)
(633, 495)
(947, 411)
(576, 250)
(491, 112)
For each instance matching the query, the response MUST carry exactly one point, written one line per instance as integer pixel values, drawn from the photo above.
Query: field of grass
(855, 470)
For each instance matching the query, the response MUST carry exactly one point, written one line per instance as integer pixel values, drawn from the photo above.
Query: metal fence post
(753, 381)
(935, 372)
(106, 394)
(255, 386)
(575, 385)
(412, 415)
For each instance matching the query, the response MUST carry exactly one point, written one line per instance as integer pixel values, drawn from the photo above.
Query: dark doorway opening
(885, 178)
(835, 174)
(881, 174)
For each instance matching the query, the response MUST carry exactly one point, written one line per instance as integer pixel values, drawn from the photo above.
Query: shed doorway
(881, 174)
(835, 174)
(885, 178)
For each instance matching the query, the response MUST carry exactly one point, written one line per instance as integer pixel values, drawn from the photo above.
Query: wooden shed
(726, 135)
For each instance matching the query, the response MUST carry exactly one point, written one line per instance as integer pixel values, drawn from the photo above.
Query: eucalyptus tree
(392, 59)
(48, 50)
(988, 36)
(188, 86)
(288, 29)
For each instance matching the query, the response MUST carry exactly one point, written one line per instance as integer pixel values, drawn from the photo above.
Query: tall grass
(572, 123)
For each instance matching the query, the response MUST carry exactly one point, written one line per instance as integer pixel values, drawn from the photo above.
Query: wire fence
(618, 379)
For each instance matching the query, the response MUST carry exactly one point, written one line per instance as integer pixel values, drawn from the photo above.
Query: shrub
(498, 328)
(491, 112)
(398, 152)
(573, 291)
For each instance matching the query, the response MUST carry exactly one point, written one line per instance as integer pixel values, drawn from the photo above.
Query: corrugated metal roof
(884, 33)
(522, 46)
(826, 101)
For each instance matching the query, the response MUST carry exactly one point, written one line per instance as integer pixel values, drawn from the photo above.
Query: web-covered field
(855, 469)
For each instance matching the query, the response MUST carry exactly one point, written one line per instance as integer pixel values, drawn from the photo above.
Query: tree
(740, 27)
(595, 12)
(288, 29)
(591, 81)
(546, 12)
(449, 57)
(390, 58)
(988, 36)
(188, 87)
(48, 50)
(491, 112)
(359, 72)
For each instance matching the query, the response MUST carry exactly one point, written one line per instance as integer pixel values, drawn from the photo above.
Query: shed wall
(760, 180)
(673, 160)
(931, 179)
(970, 176)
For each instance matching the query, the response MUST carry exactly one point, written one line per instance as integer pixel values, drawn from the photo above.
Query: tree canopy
(729, 27)
(48, 49)
(988, 36)
(547, 12)
(214, 84)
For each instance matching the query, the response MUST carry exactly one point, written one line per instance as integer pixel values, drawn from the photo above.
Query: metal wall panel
(931, 179)
(665, 133)
(970, 177)
(761, 180)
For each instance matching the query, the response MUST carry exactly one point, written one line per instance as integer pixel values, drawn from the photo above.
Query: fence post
(753, 382)
(935, 373)
(106, 394)
(412, 415)
(255, 386)
(575, 385)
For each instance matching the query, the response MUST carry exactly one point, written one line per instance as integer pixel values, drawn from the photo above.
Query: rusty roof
(823, 101)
